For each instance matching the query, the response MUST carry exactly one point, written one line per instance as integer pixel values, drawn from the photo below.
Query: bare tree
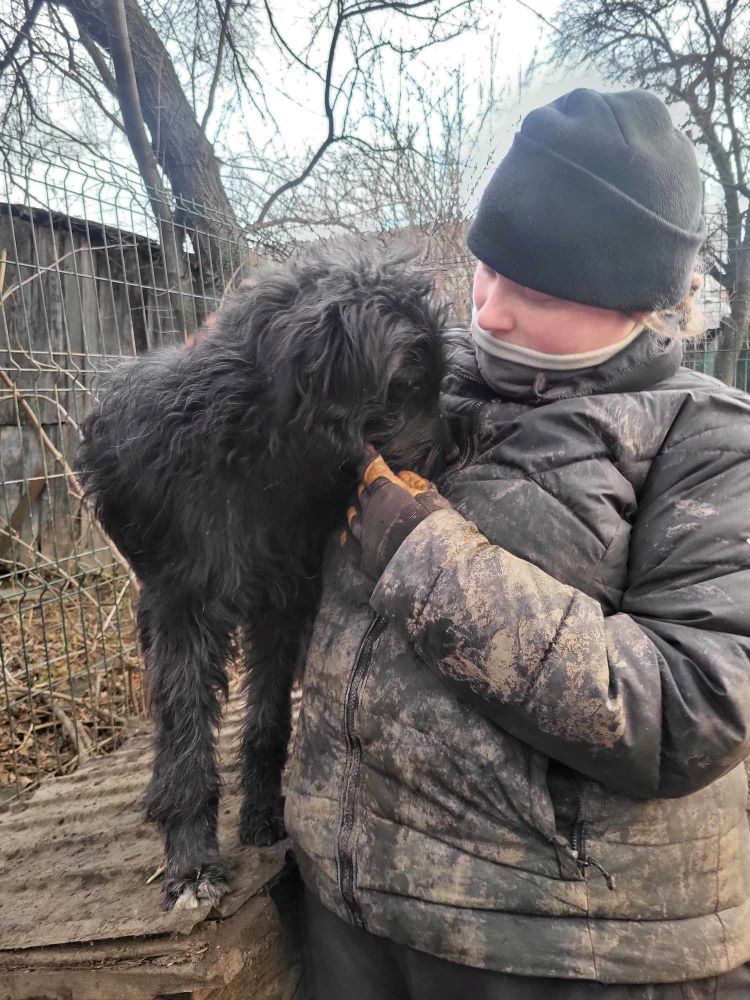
(109, 64)
(126, 90)
(195, 61)
(435, 133)
(414, 169)
(696, 53)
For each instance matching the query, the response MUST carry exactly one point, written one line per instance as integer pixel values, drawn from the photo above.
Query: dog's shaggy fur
(218, 471)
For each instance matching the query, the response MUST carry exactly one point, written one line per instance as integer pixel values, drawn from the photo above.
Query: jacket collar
(644, 362)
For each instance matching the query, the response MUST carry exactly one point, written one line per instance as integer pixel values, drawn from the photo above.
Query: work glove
(387, 508)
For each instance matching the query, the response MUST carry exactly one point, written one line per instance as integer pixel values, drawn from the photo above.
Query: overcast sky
(515, 33)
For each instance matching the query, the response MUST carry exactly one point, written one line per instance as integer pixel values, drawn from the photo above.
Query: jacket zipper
(462, 373)
(578, 843)
(577, 839)
(468, 450)
(344, 854)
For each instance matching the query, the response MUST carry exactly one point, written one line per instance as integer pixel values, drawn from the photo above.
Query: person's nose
(496, 312)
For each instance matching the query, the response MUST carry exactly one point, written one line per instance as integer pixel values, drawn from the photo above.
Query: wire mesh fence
(84, 283)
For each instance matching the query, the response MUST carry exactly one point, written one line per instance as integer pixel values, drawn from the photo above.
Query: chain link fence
(84, 283)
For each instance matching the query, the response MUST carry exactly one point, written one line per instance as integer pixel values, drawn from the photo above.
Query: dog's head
(351, 336)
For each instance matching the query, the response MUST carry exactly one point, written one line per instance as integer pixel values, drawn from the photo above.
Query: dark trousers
(345, 963)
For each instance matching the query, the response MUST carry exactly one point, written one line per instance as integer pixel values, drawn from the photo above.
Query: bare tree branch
(224, 18)
(22, 35)
(344, 16)
(537, 14)
(96, 56)
(698, 53)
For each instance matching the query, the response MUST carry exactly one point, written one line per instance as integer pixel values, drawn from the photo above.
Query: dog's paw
(187, 889)
(263, 828)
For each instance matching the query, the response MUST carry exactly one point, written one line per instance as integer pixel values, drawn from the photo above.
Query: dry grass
(70, 675)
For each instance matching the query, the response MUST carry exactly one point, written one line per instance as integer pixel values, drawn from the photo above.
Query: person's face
(519, 315)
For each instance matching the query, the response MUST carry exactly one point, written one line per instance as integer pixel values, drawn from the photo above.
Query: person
(518, 769)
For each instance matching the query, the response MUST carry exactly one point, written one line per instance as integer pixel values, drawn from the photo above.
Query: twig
(74, 485)
(55, 265)
(217, 68)
(42, 692)
(116, 605)
(76, 734)
(46, 440)
(34, 569)
(29, 733)
(34, 488)
(539, 15)
(74, 761)
(36, 423)
(157, 874)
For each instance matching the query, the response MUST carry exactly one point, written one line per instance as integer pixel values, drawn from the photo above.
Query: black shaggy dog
(218, 472)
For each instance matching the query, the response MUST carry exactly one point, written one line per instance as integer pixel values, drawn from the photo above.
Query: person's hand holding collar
(387, 508)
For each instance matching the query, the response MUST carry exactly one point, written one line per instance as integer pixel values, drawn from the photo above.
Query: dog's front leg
(186, 649)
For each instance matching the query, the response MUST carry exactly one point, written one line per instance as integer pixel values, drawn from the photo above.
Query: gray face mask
(494, 354)
(638, 360)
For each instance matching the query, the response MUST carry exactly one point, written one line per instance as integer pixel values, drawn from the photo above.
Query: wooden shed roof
(112, 236)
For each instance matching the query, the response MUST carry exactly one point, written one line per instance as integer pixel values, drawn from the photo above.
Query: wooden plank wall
(77, 297)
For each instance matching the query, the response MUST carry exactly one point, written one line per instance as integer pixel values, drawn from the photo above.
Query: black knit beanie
(598, 201)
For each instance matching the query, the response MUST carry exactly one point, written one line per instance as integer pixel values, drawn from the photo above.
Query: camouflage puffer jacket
(523, 749)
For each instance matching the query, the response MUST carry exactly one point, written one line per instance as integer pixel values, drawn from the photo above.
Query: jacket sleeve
(654, 700)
